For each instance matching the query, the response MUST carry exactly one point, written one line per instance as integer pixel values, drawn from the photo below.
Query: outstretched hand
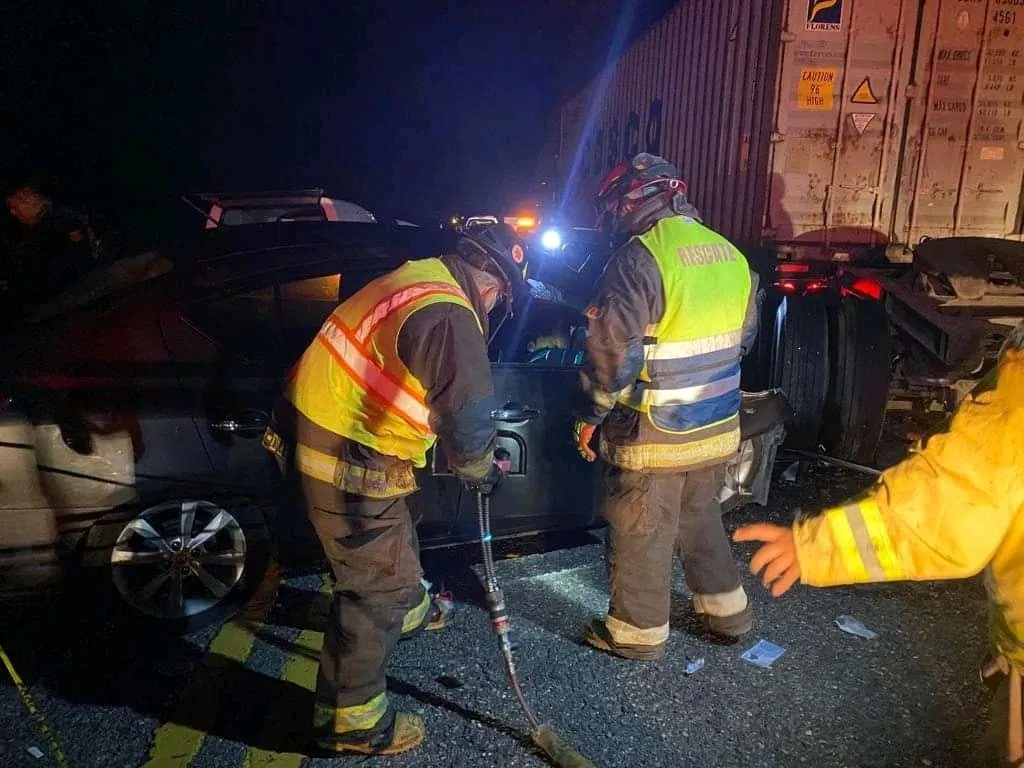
(777, 558)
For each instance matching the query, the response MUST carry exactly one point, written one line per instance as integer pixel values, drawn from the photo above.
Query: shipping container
(867, 155)
(819, 127)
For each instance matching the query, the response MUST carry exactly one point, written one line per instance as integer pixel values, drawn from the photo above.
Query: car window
(268, 264)
(234, 217)
(106, 280)
(244, 323)
(305, 305)
(542, 333)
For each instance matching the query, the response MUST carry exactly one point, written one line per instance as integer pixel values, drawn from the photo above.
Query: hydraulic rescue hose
(544, 736)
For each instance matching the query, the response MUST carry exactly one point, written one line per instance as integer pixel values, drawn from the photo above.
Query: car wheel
(181, 565)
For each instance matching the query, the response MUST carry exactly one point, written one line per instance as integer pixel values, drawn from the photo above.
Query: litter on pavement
(694, 665)
(789, 476)
(763, 654)
(36, 752)
(852, 626)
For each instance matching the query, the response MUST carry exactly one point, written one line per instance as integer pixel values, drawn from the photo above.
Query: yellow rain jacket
(955, 507)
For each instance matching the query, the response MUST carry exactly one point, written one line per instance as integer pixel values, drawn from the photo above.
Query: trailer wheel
(861, 351)
(757, 365)
(800, 365)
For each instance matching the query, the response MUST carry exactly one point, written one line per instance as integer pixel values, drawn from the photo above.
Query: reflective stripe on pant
(372, 549)
(650, 518)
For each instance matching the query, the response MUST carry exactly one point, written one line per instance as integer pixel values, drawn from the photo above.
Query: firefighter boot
(727, 615)
(597, 635)
(438, 615)
(406, 732)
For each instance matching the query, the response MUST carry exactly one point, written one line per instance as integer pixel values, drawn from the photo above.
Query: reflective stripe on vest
(373, 378)
(691, 375)
(391, 304)
(352, 382)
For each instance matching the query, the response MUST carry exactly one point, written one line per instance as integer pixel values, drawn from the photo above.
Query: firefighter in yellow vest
(672, 316)
(952, 509)
(401, 363)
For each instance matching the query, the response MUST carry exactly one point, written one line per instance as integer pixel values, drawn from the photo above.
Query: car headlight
(551, 240)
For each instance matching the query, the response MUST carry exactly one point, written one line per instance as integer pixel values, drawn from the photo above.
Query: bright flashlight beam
(622, 27)
(551, 240)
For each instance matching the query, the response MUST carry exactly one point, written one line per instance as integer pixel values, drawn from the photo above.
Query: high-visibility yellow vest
(351, 380)
(689, 386)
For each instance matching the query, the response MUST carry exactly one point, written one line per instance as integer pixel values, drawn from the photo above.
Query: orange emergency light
(525, 223)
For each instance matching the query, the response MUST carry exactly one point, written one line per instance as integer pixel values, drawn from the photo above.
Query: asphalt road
(240, 694)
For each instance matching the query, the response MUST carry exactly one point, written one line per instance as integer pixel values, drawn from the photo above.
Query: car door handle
(514, 412)
(250, 421)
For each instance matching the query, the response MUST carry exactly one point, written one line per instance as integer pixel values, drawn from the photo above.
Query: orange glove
(777, 557)
(584, 433)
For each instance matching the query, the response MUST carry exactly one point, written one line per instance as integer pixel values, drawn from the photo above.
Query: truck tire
(861, 351)
(800, 365)
(756, 371)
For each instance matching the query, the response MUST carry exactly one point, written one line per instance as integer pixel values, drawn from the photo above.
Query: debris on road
(852, 626)
(36, 752)
(789, 475)
(763, 654)
(694, 665)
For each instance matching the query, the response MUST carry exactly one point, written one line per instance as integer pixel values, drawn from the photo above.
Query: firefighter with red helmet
(670, 320)
(399, 364)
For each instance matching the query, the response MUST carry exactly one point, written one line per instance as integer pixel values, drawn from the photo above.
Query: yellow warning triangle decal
(864, 94)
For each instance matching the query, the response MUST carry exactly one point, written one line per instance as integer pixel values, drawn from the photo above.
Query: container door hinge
(787, 36)
(777, 137)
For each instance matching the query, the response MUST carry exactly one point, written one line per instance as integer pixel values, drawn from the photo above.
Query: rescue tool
(543, 735)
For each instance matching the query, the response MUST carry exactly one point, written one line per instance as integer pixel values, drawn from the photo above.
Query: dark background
(414, 108)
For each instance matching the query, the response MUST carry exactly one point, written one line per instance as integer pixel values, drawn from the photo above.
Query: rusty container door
(698, 88)
(843, 80)
(964, 160)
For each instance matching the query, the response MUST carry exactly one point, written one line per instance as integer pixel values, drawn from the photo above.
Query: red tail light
(866, 288)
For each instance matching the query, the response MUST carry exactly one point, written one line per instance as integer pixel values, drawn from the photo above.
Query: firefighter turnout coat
(671, 318)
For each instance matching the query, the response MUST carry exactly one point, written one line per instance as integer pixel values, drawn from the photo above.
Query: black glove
(490, 482)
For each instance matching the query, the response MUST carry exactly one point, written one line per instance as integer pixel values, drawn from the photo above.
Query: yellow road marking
(174, 744)
(299, 668)
(33, 711)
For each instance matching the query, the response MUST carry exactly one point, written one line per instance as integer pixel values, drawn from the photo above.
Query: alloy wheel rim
(178, 559)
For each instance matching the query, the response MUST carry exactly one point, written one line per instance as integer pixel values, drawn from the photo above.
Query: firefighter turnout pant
(650, 518)
(373, 551)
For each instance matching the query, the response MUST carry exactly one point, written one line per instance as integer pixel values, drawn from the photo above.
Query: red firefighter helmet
(633, 190)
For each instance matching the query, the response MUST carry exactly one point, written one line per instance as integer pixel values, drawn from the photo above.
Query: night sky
(410, 108)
